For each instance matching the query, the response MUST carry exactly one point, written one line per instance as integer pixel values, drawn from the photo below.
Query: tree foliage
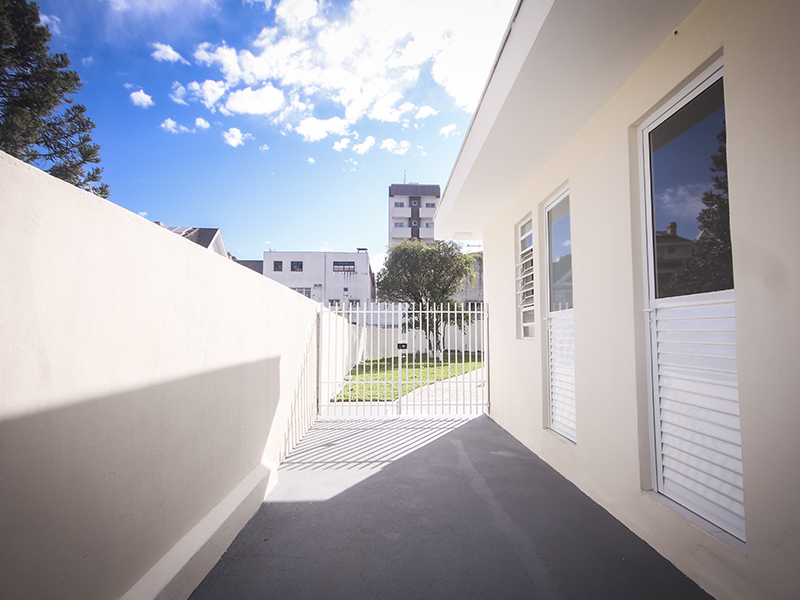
(39, 123)
(422, 275)
(710, 266)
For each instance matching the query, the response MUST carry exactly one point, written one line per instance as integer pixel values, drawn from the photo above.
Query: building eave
(559, 63)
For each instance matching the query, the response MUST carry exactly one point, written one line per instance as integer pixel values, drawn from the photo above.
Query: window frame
(277, 266)
(296, 266)
(344, 266)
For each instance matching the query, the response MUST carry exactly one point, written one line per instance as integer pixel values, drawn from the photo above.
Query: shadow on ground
(434, 508)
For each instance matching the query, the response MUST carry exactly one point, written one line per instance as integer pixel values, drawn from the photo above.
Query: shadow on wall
(94, 491)
(303, 410)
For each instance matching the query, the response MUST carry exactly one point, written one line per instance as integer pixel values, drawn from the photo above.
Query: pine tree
(39, 123)
(710, 267)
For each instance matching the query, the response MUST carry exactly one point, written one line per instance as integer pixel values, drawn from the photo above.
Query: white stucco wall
(318, 275)
(147, 385)
(611, 460)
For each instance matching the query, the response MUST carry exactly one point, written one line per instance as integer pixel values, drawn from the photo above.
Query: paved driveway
(433, 509)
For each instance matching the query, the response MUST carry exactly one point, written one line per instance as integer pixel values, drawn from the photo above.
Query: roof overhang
(560, 62)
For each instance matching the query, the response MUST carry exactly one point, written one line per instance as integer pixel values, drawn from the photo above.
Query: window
(305, 291)
(396, 224)
(345, 289)
(687, 152)
(333, 303)
(297, 266)
(277, 265)
(560, 256)
(354, 303)
(429, 225)
(399, 204)
(344, 266)
(525, 303)
(430, 205)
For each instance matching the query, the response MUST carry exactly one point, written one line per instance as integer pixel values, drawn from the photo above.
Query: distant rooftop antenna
(404, 176)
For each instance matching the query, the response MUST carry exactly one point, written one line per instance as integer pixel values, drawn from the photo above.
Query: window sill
(698, 521)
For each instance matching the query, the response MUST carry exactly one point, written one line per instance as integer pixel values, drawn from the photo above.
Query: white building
(676, 409)
(411, 210)
(333, 278)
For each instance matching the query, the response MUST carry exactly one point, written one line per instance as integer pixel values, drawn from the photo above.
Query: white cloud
(178, 94)
(142, 100)
(683, 201)
(143, 214)
(294, 14)
(207, 92)
(224, 56)
(341, 144)
(172, 126)
(263, 148)
(363, 64)
(395, 147)
(267, 5)
(234, 137)
(165, 52)
(364, 146)
(425, 111)
(311, 161)
(201, 123)
(87, 61)
(447, 130)
(264, 101)
(422, 151)
(313, 129)
(53, 22)
(128, 86)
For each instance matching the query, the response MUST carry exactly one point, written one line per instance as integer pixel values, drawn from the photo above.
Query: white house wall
(612, 459)
(149, 387)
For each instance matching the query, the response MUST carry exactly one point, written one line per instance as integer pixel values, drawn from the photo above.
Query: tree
(34, 85)
(423, 275)
(710, 264)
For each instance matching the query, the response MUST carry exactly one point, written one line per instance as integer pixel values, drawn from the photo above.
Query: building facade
(411, 210)
(641, 257)
(336, 279)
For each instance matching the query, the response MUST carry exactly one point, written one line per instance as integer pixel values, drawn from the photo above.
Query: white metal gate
(398, 359)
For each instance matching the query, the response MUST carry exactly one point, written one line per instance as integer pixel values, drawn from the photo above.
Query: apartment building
(333, 278)
(411, 210)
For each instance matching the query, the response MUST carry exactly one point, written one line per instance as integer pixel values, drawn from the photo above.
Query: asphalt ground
(433, 508)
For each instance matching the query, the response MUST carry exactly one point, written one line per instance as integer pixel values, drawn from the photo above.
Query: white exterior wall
(149, 387)
(318, 274)
(612, 458)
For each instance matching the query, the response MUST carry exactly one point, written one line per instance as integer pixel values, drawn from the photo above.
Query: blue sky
(280, 122)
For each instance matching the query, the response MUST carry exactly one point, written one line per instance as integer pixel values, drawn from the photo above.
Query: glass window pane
(560, 258)
(689, 179)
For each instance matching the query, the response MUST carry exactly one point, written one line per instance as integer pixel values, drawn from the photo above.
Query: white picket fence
(374, 362)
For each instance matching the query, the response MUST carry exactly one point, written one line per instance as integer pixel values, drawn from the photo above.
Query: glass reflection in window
(689, 179)
(560, 258)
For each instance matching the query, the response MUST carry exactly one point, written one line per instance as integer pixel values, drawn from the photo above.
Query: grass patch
(388, 379)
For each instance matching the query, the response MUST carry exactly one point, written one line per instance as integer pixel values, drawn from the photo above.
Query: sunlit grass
(390, 378)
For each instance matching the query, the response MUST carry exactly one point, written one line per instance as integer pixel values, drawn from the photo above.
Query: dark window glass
(689, 188)
(344, 266)
(297, 265)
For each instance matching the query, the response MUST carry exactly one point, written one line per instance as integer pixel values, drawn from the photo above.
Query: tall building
(411, 210)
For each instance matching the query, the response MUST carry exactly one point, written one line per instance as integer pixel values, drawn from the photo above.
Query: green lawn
(390, 378)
